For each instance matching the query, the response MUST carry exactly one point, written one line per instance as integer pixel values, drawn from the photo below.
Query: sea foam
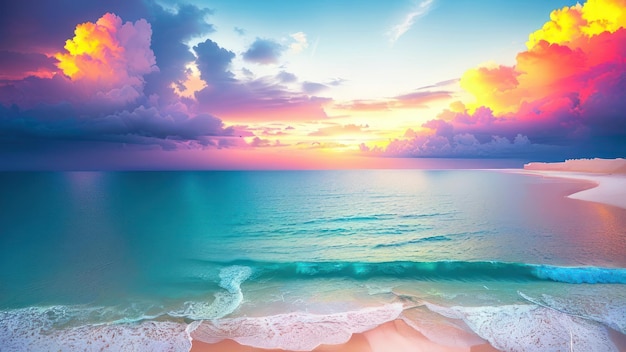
(225, 303)
(533, 328)
(610, 311)
(35, 329)
(297, 331)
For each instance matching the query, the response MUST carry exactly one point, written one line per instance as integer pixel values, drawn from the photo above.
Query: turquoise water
(148, 255)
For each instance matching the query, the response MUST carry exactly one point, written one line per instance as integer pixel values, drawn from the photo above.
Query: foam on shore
(225, 303)
(297, 331)
(531, 327)
(33, 329)
(395, 335)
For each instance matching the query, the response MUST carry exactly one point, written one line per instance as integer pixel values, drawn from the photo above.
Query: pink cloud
(565, 95)
(339, 130)
(110, 56)
(415, 100)
(103, 64)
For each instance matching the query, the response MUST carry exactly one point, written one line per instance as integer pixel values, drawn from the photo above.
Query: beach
(325, 261)
(608, 176)
(395, 336)
(607, 189)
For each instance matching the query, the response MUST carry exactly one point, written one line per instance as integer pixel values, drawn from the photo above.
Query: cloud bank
(564, 97)
(97, 94)
(112, 83)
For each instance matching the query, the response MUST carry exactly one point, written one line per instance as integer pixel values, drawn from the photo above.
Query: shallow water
(149, 254)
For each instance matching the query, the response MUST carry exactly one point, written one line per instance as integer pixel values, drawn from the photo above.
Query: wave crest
(231, 278)
(440, 270)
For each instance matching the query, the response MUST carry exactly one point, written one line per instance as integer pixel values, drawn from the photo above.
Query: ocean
(138, 261)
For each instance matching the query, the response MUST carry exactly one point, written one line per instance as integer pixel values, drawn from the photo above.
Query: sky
(219, 84)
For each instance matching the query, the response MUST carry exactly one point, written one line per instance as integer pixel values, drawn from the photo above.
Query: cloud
(336, 82)
(16, 66)
(321, 145)
(571, 26)
(264, 52)
(398, 30)
(264, 143)
(38, 27)
(143, 125)
(339, 130)
(103, 64)
(313, 88)
(109, 53)
(270, 131)
(258, 100)
(460, 145)
(239, 30)
(441, 84)
(421, 99)
(415, 100)
(300, 42)
(213, 63)
(578, 45)
(113, 84)
(263, 99)
(565, 95)
(286, 77)
(171, 31)
(99, 98)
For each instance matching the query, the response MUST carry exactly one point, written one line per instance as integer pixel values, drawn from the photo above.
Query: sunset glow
(168, 78)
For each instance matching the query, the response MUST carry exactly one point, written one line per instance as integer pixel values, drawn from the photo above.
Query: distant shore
(609, 176)
(594, 166)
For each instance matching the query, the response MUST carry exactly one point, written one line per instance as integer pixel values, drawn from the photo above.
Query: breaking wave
(439, 270)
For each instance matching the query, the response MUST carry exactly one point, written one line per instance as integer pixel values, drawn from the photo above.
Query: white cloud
(300, 42)
(398, 30)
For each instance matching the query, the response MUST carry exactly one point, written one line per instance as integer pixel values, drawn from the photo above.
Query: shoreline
(395, 335)
(608, 189)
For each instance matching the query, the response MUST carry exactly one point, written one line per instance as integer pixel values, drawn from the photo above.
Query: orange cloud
(493, 86)
(577, 40)
(194, 83)
(565, 95)
(571, 24)
(108, 52)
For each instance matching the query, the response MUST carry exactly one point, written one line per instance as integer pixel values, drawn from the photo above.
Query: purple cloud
(170, 33)
(313, 88)
(15, 65)
(264, 52)
(256, 99)
(213, 63)
(286, 77)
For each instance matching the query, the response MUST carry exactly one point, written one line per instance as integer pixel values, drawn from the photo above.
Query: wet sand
(394, 336)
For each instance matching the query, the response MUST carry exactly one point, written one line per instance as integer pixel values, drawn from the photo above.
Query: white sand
(609, 175)
(610, 189)
(597, 166)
